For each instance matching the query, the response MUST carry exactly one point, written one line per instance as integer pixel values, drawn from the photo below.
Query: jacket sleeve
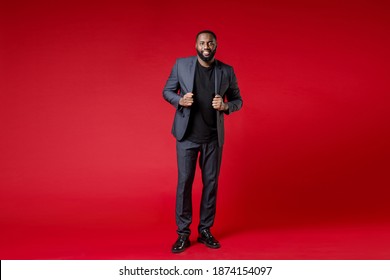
(172, 88)
(233, 95)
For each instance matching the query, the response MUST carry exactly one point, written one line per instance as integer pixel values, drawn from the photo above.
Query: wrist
(225, 106)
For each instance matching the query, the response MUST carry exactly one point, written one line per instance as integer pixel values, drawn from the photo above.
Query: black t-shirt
(203, 119)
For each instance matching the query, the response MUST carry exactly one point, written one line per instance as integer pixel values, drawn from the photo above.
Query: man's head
(206, 45)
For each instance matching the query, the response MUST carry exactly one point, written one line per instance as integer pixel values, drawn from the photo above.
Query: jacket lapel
(191, 75)
(218, 77)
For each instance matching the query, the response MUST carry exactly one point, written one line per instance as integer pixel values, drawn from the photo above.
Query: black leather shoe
(208, 239)
(181, 244)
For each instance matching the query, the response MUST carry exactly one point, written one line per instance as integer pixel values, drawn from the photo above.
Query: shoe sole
(208, 245)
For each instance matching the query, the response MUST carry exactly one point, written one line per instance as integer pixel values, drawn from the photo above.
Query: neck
(204, 63)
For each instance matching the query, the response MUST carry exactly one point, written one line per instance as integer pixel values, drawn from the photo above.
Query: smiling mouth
(206, 53)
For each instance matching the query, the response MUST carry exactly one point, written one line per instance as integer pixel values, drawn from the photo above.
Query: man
(202, 89)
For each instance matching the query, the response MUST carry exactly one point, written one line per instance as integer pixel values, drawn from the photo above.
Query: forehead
(205, 37)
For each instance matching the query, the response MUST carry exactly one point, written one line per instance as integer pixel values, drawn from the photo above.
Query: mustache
(208, 58)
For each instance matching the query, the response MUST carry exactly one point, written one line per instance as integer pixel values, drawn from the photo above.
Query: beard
(206, 58)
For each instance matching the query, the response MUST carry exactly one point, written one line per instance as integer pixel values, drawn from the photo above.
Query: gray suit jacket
(181, 81)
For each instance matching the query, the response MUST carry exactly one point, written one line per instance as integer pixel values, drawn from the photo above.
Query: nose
(208, 46)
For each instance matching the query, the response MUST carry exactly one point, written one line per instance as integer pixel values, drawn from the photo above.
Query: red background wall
(85, 133)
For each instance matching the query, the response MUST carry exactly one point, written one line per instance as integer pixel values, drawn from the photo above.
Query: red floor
(357, 241)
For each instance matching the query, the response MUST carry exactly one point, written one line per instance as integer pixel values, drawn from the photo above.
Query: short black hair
(206, 31)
